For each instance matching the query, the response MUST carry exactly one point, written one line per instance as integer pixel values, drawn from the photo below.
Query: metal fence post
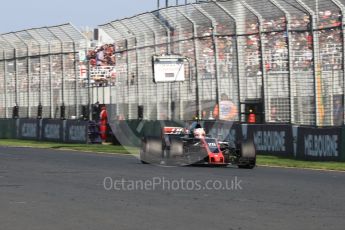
(342, 10)
(316, 66)
(288, 42)
(76, 88)
(172, 41)
(137, 69)
(128, 78)
(196, 56)
(16, 78)
(29, 82)
(40, 79)
(316, 71)
(51, 82)
(5, 84)
(62, 70)
(136, 59)
(28, 71)
(215, 48)
(62, 74)
(168, 51)
(262, 61)
(113, 28)
(155, 49)
(89, 91)
(168, 33)
(16, 91)
(237, 55)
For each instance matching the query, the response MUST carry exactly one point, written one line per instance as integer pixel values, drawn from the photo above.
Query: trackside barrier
(222, 130)
(307, 143)
(8, 129)
(130, 132)
(77, 132)
(52, 130)
(29, 129)
(68, 131)
(323, 144)
(274, 139)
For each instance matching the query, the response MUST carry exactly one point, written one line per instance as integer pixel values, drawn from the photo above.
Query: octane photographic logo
(165, 184)
(158, 149)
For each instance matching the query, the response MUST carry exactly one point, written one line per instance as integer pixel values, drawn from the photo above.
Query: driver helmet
(199, 133)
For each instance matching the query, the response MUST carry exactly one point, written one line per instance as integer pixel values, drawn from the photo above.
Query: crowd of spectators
(331, 49)
(226, 57)
(275, 53)
(274, 40)
(252, 55)
(102, 56)
(102, 61)
(329, 18)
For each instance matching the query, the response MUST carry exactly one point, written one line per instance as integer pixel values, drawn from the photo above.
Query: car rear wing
(174, 131)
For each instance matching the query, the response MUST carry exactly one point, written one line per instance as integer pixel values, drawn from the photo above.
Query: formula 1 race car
(179, 146)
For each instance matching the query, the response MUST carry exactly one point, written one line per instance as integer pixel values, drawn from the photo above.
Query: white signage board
(168, 69)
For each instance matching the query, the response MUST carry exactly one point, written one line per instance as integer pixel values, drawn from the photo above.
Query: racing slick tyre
(174, 152)
(176, 148)
(247, 159)
(151, 150)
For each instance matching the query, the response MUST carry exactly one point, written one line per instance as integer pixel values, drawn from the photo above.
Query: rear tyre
(143, 157)
(151, 150)
(176, 148)
(247, 159)
(174, 152)
(248, 149)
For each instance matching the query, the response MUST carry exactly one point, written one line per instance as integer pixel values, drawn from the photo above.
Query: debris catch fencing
(285, 55)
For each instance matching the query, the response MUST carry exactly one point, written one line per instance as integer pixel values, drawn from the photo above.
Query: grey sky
(24, 14)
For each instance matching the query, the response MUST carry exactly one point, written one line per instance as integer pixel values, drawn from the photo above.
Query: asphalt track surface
(47, 189)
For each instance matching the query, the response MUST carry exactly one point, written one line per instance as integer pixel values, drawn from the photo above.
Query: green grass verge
(98, 148)
(290, 162)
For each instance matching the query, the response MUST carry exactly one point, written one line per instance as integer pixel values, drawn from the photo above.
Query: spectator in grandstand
(100, 57)
(91, 56)
(109, 54)
(225, 56)
(275, 114)
(132, 80)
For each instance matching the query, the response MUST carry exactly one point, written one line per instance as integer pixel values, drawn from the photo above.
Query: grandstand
(283, 58)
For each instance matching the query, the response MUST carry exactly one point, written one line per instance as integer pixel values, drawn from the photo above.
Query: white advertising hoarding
(168, 69)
